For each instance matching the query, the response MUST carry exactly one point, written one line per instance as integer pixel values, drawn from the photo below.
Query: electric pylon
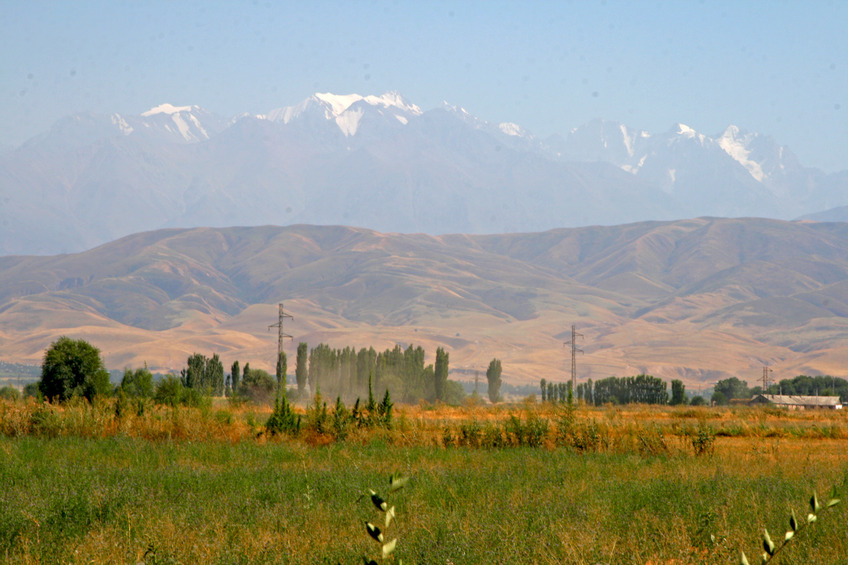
(281, 334)
(574, 352)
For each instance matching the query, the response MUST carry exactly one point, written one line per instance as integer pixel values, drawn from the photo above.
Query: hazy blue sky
(778, 68)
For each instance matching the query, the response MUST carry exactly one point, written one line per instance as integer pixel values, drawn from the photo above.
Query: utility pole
(765, 378)
(281, 334)
(574, 352)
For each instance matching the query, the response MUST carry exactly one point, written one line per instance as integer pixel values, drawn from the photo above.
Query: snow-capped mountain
(185, 123)
(348, 110)
(384, 163)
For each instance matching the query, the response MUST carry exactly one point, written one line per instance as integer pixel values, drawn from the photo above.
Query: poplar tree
(440, 373)
(493, 375)
(301, 369)
(282, 368)
(235, 377)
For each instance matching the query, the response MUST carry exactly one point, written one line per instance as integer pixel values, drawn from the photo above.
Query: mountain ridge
(382, 163)
(696, 299)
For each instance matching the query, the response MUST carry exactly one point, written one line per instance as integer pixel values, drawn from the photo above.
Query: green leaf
(788, 536)
(833, 502)
(764, 558)
(768, 545)
(811, 518)
(390, 514)
(397, 481)
(742, 559)
(814, 503)
(389, 548)
(793, 522)
(374, 532)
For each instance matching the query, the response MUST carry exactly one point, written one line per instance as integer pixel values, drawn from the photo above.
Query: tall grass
(79, 484)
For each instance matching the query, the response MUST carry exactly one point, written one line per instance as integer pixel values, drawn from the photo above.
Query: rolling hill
(698, 299)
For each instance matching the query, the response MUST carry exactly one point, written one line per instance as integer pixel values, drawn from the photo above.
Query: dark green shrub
(283, 419)
(341, 420)
(169, 391)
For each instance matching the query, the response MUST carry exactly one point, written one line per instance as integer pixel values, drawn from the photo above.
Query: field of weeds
(526, 483)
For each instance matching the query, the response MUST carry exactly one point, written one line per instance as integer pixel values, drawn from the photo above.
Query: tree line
(642, 389)
(75, 368)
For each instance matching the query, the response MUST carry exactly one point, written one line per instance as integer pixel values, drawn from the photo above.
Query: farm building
(794, 402)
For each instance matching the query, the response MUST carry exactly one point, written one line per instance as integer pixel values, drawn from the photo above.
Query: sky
(779, 68)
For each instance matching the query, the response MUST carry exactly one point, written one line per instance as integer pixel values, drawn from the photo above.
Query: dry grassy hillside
(697, 299)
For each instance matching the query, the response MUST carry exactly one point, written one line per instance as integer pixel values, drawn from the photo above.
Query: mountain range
(699, 299)
(380, 162)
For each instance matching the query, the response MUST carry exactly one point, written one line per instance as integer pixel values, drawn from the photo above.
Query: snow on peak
(186, 123)
(735, 143)
(339, 108)
(339, 103)
(512, 129)
(685, 131)
(167, 109)
(122, 124)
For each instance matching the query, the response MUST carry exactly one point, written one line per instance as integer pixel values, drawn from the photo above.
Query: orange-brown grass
(206, 485)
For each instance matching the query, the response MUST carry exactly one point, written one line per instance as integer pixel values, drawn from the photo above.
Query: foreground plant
(396, 482)
(771, 549)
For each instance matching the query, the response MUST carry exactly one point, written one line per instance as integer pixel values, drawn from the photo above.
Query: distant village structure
(795, 402)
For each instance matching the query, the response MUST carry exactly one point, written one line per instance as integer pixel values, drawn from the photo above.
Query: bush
(138, 383)
(9, 392)
(283, 420)
(169, 391)
(31, 390)
(258, 386)
(703, 441)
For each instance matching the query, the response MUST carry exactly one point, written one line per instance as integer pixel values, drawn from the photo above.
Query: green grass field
(235, 498)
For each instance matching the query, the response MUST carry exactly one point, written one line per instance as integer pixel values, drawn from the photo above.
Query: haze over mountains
(697, 299)
(380, 162)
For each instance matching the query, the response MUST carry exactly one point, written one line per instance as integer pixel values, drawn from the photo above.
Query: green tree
(282, 369)
(678, 393)
(235, 376)
(214, 375)
(138, 383)
(193, 374)
(493, 375)
(719, 398)
(543, 385)
(440, 373)
(301, 369)
(257, 385)
(73, 368)
(732, 388)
